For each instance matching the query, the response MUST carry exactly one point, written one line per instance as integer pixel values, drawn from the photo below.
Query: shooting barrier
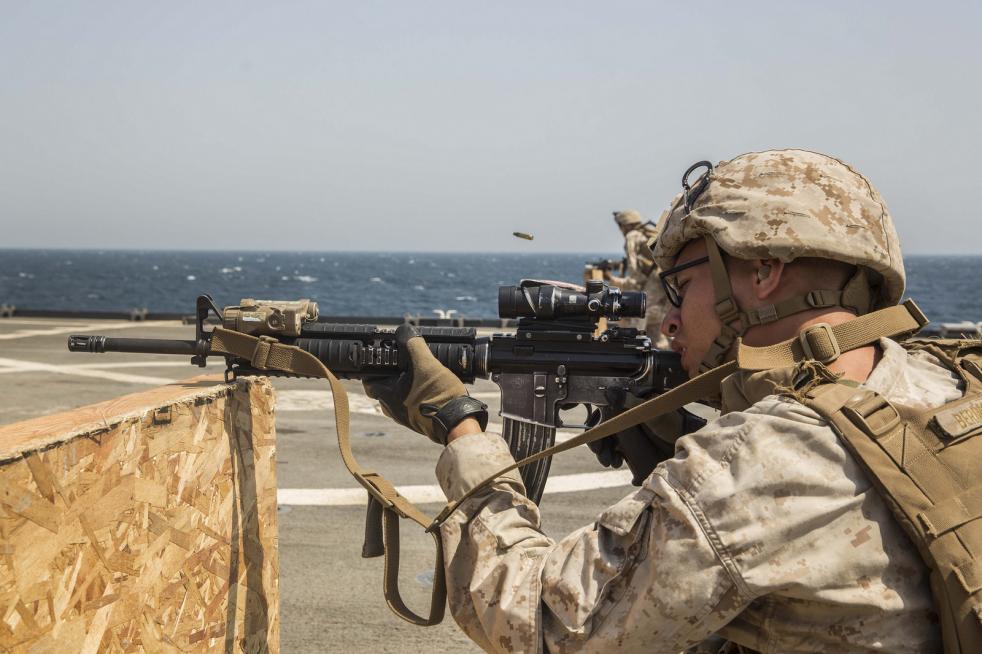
(146, 523)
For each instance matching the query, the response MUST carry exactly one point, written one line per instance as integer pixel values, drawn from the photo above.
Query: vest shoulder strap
(927, 465)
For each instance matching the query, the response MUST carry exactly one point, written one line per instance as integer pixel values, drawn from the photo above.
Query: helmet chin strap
(726, 309)
(855, 296)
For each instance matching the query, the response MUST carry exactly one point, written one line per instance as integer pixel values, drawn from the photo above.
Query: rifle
(612, 266)
(552, 363)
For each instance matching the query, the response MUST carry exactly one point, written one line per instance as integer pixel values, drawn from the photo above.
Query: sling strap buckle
(820, 299)
(727, 309)
(767, 314)
(260, 355)
(384, 493)
(818, 342)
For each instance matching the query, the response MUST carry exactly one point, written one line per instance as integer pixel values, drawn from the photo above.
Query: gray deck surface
(331, 598)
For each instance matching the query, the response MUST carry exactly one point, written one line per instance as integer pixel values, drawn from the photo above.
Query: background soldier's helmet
(786, 204)
(627, 218)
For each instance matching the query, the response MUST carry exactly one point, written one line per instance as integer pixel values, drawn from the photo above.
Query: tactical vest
(927, 465)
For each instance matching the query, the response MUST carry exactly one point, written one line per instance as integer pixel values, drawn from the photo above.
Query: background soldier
(763, 529)
(640, 273)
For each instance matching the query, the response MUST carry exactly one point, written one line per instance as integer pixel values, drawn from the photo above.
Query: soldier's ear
(767, 276)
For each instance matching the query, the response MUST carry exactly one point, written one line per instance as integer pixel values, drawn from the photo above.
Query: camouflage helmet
(786, 204)
(627, 218)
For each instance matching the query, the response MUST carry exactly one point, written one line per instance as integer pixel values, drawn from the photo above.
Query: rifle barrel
(100, 344)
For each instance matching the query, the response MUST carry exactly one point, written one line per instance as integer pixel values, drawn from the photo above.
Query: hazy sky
(446, 126)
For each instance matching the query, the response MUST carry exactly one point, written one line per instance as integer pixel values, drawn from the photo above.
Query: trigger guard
(594, 417)
(569, 407)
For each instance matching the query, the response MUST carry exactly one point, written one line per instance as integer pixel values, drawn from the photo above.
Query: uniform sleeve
(644, 576)
(633, 241)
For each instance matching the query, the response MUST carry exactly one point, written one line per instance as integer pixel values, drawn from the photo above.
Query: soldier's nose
(670, 325)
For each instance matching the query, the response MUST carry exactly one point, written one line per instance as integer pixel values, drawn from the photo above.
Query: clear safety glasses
(669, 281)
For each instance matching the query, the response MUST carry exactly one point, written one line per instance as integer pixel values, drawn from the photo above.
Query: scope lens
(632, 304)
(512, 303)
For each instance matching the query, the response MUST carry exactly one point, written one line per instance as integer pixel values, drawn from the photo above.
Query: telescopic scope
(549, 302)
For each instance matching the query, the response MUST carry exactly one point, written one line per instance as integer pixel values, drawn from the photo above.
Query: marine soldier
(764, 531)
(641, 274)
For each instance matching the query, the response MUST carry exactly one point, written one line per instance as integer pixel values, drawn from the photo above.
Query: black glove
(606, 450)
(646, 445)
(426, 396)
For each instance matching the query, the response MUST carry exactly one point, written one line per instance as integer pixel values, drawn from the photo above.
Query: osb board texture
(151, 530)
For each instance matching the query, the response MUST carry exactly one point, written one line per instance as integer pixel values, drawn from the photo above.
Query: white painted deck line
(14, 365)
(99, 366)
(433, 494)
(89, 327)
(286, 401)
(178, 362)
(49, 322)
(320, 400)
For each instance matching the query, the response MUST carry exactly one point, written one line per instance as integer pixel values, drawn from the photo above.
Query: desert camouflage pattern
(761, 531)
(641, 274)
(655, 310)
(638, 262)
(786, 204)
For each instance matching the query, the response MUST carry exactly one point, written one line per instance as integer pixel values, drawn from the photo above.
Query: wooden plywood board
(143, 524)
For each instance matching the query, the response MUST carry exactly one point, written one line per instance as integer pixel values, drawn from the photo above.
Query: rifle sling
(382, 528)
(814, 342)
(706, 384)
(893, 321)
(386, 505)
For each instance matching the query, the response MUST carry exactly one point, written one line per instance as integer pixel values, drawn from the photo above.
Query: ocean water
(948, 289)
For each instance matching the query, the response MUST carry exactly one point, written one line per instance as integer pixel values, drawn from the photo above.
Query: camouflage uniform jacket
(641, 274)
(639, 263)
(762, 529)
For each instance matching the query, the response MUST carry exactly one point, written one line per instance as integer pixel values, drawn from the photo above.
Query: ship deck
(331, 598)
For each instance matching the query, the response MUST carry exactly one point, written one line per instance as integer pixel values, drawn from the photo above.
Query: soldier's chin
(691, 360)
(686, 364)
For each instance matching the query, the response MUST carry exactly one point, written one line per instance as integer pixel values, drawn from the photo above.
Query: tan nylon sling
(386, 505)
(927, 465)
(700, 387)
(893, 321)
(824, 343)
(265, 352)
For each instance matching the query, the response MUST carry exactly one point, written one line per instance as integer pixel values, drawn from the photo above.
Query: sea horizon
(360, 283)
(367, 251)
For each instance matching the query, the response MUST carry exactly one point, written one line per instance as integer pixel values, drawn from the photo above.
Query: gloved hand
(426, 396)
(643, 446)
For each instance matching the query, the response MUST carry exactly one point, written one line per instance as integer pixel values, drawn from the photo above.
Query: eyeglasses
(670, 283)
